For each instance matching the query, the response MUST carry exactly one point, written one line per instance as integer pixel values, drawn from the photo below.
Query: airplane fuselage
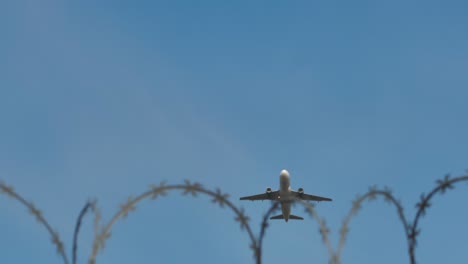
(284, 193)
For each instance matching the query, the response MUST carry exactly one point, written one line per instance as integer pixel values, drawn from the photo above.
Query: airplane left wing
(263, 196)
(309, 197)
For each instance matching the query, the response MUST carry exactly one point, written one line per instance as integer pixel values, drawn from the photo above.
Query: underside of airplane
(285, 195)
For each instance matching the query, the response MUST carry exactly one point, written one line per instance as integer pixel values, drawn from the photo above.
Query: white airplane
(285, 195)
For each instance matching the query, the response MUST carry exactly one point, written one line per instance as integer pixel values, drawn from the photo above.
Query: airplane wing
(263, 196)
(309, 197)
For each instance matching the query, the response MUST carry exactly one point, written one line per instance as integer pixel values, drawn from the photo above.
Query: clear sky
(102, 99)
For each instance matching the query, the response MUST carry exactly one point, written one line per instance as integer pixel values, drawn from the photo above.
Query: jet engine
(300, 191)
(268, 190)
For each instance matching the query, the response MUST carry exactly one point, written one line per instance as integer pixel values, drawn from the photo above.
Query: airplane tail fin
(294, 217)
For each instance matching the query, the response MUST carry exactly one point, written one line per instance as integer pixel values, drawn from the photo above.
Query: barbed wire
(102, 232)
(156, 191)
(9, 191)
(90, 205)
(442, 186)
(372, 194)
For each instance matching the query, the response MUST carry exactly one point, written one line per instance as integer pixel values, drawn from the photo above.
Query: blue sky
(99, 100)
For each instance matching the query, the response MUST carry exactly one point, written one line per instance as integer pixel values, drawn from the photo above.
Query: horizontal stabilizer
(277, 217)
(295, 217)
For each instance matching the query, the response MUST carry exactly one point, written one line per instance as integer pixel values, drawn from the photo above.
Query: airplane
(285, 195)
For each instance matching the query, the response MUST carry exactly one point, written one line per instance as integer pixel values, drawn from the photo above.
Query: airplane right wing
(263, 196)
(310, 197)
